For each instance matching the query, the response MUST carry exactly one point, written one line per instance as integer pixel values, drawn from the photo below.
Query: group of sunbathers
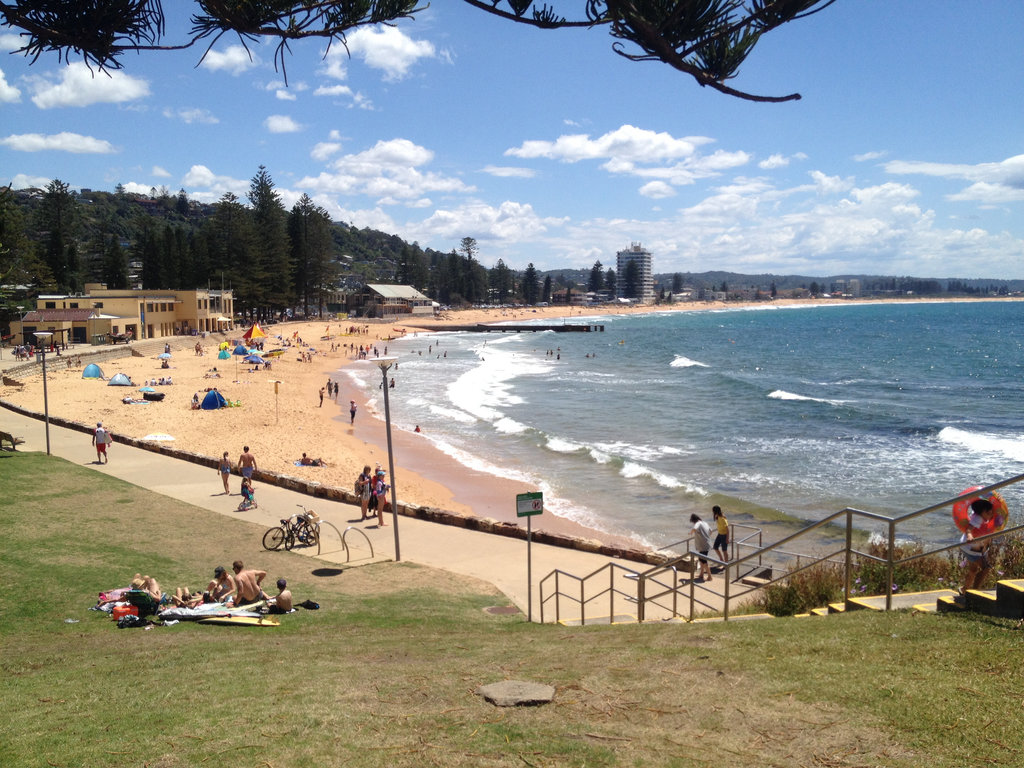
(244, 588)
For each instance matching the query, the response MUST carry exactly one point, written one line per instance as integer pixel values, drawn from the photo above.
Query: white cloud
(992, 183)
(207, 187)
(626, 143)
(160, 172)
(80, 87)
(24, 181)
(10, 43)
(136, 188)
(867, 156)
(282, 94)
(389, 172)
(774, 161)
(638, 152)
(657, 190)
(234, 59)
(191, 115)
(384, 48)
(509, 222)
(58, 142)
(8, 93)
(322, 151)
(281, 124)
(506, 172)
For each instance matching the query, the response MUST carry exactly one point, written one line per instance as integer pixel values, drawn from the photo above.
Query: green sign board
(528, 504)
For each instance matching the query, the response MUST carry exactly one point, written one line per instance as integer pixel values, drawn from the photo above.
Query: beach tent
(92, 371)
(240, 350)
(254, 332)
(119, 380)
(223, 354)
(213, 401)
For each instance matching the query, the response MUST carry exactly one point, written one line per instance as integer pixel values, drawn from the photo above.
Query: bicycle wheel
(274, 538)
(289, 538)
(304, 534)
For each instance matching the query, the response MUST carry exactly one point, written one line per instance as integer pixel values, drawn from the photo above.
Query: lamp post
(385, 363)
(43, 337)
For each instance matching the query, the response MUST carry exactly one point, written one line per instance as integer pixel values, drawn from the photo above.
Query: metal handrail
(756, 558)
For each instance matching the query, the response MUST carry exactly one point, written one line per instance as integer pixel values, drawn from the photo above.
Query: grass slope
(385, 672)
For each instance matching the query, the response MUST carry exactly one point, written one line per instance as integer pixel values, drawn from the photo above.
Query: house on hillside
(394, 301)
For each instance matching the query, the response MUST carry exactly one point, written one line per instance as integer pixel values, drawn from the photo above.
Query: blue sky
(904, 157)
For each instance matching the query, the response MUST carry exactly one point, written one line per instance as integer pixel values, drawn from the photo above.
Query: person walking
(322, 390)
(100, 438)
(721, 545)
(225, 472)
(246, 463)
(363, 488)
(702, 544)
(351, 411)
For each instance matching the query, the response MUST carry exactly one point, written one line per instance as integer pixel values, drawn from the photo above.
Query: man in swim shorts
(246, 463)
(282, 601)
(248, 582)
(99, 439)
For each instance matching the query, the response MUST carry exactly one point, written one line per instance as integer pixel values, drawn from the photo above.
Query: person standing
(322, 390)
(702, 543)
(721, 546)
(979, 523)
(246, 463)
(351, 411)
(100, 438)
(364, 487)
(225, 472)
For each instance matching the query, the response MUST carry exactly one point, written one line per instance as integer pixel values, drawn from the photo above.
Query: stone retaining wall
(344, 495)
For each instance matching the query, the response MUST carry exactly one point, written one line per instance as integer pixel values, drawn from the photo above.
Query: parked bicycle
(300, 530)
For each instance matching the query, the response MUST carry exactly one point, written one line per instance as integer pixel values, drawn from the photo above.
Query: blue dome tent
(213, 401)
(119, 380)
(92, 371)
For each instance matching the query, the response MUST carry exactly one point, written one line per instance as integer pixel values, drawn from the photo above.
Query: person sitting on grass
(282, 601)
(222, 588)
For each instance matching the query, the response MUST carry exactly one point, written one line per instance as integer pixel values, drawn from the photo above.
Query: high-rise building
(643, 291)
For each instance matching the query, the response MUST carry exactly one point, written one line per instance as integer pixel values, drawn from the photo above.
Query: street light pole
(43, 337)
(385, 364)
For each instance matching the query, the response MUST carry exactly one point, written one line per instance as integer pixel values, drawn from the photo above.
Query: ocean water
(782, 415)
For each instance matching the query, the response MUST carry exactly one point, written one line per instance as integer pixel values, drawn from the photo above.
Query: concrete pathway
(499, 560)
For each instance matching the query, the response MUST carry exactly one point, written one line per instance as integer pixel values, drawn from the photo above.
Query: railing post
(583, 604)
(611, 593)
(891, 565)
(726, 574)
(641, 597)
(849, 559)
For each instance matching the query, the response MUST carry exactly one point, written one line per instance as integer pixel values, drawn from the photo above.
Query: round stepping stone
(517, 693)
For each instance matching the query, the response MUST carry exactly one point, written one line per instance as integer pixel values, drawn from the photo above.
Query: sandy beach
(279, 427)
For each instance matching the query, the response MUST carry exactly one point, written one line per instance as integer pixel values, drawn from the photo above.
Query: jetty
(486, 328)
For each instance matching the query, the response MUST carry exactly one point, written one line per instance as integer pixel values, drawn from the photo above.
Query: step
(900, 600)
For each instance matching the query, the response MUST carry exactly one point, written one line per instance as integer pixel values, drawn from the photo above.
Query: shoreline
(279, 427)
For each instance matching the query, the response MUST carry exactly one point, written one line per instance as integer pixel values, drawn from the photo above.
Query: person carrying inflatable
(981, 521)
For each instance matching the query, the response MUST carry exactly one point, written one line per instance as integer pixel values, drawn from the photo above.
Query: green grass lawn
(385, 673)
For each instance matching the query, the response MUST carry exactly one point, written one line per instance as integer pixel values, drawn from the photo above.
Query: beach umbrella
(224, 345)
(164, 356)
(239, 351)
(146, 389)
(223, 354)
(254, 332)
(254, 359)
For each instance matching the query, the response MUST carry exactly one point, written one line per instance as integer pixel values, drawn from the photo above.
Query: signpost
(528, 505)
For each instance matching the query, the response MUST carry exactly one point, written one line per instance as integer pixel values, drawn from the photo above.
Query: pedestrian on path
(351, 411)
(101, 438)
(722, 538)
(225, 472)
(246, 463)
(702, 544)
